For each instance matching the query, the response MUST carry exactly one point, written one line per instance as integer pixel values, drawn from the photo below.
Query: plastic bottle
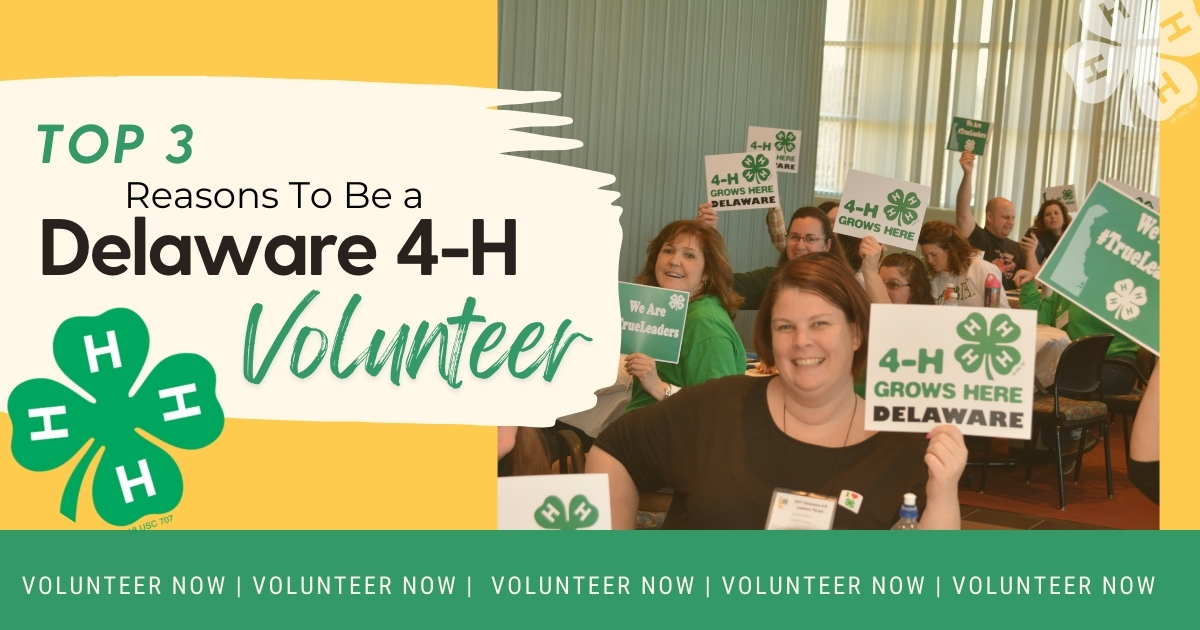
(908, 513)
(950, 296)
(993, 291)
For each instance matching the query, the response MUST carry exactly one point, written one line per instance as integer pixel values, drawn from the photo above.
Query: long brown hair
(716, 264)
(1040, 221)
(947, 236)
(920, 291)
(530, 455)
(810, 212)
(823, 274)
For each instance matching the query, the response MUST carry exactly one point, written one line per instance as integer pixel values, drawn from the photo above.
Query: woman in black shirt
(725, 446)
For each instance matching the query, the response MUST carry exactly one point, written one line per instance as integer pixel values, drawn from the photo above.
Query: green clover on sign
(987, 348)
(177, 404)
(756, 168)
(552, 515)
(903, 206)
(785, 141)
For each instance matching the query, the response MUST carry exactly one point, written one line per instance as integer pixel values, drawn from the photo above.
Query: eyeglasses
(810, 240)
(894, 286)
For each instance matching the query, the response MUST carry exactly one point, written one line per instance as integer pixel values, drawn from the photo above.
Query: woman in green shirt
(690, 256)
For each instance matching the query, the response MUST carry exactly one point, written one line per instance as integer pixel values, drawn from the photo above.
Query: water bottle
(993, 291)
(908, 513)
(950, 296)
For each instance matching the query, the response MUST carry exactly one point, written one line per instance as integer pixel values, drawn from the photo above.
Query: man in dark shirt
(992, 238)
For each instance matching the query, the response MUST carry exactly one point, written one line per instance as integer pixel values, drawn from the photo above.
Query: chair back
(1081, 366)
(1145, 362)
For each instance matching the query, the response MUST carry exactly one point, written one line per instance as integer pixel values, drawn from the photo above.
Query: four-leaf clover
(986, 348)
(552, 515)
(756, 168)
(1127, 47)
(785, 141)
(1125, 300)
(902, 206)
(1068, 195)
(676, 302)
(176, 405)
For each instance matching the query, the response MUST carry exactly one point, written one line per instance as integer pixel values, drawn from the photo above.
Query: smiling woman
(726, 446)
(690, 256)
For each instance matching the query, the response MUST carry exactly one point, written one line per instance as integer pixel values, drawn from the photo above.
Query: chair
(1126, 405)
(1079, 371)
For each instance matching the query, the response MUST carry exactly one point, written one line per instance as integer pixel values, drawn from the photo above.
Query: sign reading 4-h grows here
(784, 142)
(891, 210)
(741, 181)
(1107, 262)
(652, 320)
(968, 367)
(554, 502)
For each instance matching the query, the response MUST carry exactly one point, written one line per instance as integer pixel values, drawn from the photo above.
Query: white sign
(741, 181)
(1146, 199)
(1065, 194)
(968, 367)
(554, 502)
(784, 142)
(800, 510)
(891, 210)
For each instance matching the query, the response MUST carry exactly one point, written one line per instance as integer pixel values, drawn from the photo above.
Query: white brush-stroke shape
(260, 133)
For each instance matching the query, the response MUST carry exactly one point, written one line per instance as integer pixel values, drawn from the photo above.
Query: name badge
(800, 510)
(1062, 319)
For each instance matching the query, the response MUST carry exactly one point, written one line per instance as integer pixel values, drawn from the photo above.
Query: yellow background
(258, 474)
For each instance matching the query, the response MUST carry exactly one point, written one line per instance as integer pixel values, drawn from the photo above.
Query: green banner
(616, 579)
(1107, 262)
(968, 135)
(652, 321)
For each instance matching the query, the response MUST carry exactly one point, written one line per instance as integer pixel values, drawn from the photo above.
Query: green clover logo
(1067, 195)
(552, 515)
(785, 141)
(756, 168)
(103, 356)
(903, 206)
(987, 348)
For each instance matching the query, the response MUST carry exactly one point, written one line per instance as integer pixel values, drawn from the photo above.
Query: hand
(506, 440)
(946, 457)
(707, 215)
(762, 368)
(646, 370)
(871, 251)
(1029, 243)
(968, 162)
(1021, 277)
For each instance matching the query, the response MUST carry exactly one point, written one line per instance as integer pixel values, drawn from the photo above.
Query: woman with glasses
(897, 279)
(809, 232)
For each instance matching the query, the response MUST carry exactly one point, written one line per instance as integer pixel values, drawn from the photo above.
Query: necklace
(850, 425)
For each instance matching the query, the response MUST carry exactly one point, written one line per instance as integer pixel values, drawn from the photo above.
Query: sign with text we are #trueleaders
(1107, 262)
(652, 320)
(891, 210)
(968, 136)
(967, 367)
(784, 142)
(741, 181)
(554, 502)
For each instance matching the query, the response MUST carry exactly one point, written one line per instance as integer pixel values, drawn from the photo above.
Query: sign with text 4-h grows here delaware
(968, 136)
(554, 502)
(652, 321)
(741, 181)
(784, 142)
(1065, 194)
(968, 367)
(1107, 262)
(891, 210)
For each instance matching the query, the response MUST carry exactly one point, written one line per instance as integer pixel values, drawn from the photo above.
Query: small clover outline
(785, 141)
(1125, 300)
